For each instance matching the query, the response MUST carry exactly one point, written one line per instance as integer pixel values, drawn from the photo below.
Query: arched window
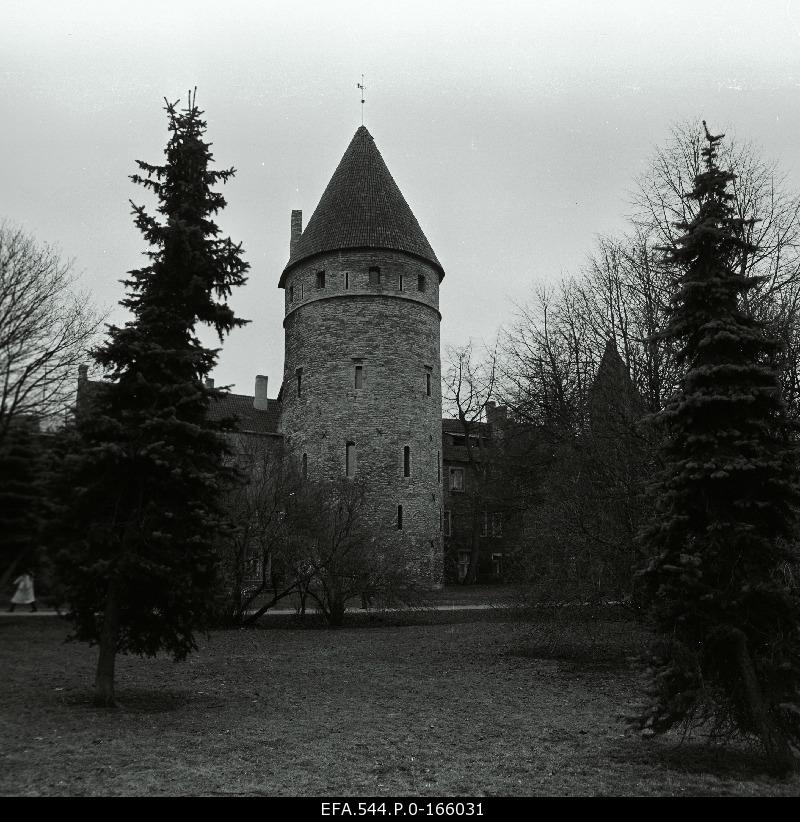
(399, 517)
(407, 461)
(350, 459)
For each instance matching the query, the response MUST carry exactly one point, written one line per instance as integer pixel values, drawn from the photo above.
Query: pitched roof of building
(249, 420)
(239, 407)
(362, 207)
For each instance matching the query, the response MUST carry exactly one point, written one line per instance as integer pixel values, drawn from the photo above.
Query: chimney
(209, 383)
(260, 399)
(83, 373)
(297, 230)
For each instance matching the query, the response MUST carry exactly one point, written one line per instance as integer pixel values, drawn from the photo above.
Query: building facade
(478, 512)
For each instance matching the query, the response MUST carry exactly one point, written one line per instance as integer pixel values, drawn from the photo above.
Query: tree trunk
(474, 555)
(780, 759)
(336, 610)
(109, 636)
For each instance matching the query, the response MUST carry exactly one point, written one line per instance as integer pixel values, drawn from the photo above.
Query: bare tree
(624, 296)
(585, 453)
(305, 539)
(556, 342)
(328, 551)
(546, 361)
(45, 330)
(254, 558)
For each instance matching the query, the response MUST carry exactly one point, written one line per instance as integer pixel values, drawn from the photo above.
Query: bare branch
(46, 330)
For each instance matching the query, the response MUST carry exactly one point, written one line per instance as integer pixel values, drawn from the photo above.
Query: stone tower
(361, 392)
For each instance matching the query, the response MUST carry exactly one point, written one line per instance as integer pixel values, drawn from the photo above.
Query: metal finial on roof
(363, 92)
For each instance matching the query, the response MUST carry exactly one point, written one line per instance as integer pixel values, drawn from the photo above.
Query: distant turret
(614, 402)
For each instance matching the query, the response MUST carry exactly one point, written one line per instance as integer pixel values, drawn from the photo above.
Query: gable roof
(362, 207)
(249, 420)
(239, 407)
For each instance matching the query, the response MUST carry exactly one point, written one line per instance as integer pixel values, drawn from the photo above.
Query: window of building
(407, 461)
(291, 293)
(497, 565)
(350, 459)
(485, 524)
(438, 466)
(456, 479)
(421, 282)
(447, 522)
(320, 279)
(347, 279)
(401, 282)
(374, 275)
(359, 376)
(497, 524)
(427, 383)
(399, 517)
(299, 374)
(254, 566)
(305, 466)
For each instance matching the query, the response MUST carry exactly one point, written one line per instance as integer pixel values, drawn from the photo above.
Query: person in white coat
(24, 594)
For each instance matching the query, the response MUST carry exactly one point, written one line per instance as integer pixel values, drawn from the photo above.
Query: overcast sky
(514, 130)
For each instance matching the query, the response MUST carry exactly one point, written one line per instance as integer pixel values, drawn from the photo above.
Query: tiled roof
(362, 207)
(236, 406)
(249, 419)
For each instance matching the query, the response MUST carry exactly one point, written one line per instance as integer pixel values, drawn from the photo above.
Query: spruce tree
(727, 621)
(142, 487)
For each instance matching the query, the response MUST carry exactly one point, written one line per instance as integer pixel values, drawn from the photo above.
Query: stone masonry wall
(394, 336)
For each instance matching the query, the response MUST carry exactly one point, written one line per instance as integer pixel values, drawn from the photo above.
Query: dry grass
(452, 708)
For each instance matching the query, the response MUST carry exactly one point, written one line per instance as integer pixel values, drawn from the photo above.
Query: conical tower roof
(613, 394)
(611, 368)
(362, 207)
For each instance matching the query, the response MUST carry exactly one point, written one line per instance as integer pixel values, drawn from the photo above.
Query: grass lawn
(476, 703)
